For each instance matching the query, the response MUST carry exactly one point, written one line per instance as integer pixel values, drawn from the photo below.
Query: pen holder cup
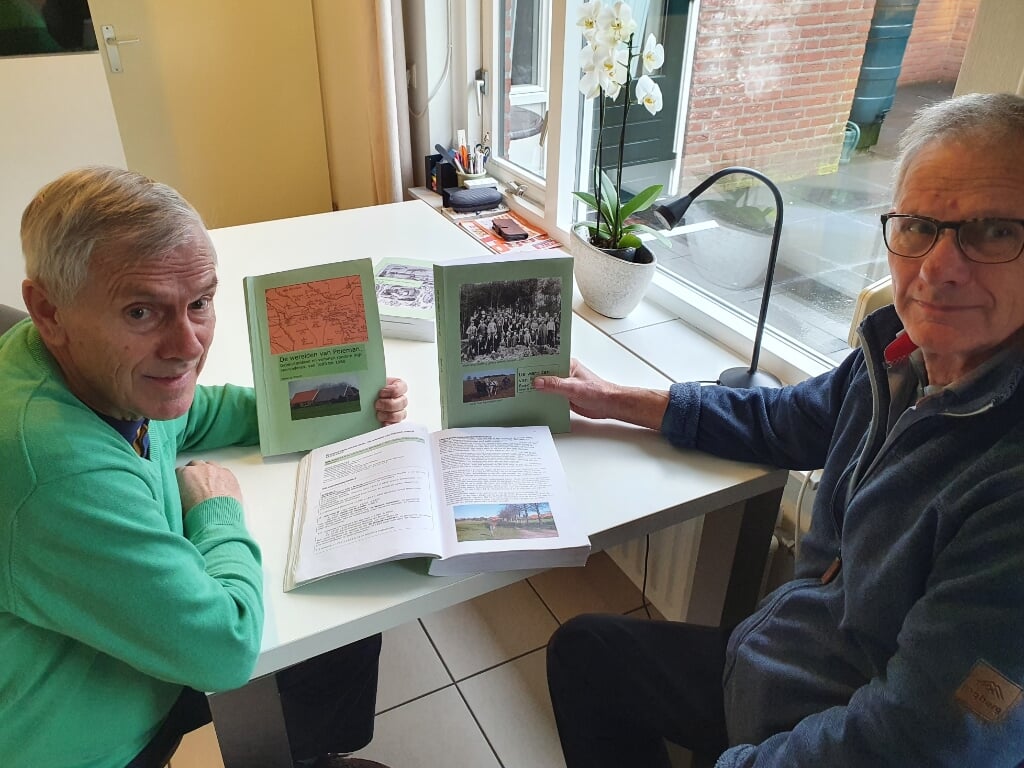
(463, 176)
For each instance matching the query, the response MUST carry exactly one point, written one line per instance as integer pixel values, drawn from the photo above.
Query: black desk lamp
(670, 215)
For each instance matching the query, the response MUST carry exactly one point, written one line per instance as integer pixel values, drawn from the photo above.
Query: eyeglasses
(985, 241)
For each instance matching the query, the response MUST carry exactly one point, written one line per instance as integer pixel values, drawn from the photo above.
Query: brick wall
(937, 41)
(772, 84)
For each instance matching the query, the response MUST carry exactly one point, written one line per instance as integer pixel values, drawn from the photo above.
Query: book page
(502, 489)
(362, 501)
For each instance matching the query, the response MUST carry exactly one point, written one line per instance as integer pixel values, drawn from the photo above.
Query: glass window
(519, 131)
(774, 92)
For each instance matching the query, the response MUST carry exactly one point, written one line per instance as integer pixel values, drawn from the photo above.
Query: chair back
(9, 316)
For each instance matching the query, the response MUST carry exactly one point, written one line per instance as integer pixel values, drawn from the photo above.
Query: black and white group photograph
(510, 319)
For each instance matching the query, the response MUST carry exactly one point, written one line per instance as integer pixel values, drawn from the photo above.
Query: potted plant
(612, 266)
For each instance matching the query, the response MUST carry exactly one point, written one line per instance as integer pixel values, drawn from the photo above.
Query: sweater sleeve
(100, 564)
(951, 695)
(219, 416)
(789, 427)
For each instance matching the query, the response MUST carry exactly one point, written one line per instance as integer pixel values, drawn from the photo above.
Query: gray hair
(95, 208)
(987, 120)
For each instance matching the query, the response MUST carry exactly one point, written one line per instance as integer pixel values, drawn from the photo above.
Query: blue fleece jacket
(913, 654)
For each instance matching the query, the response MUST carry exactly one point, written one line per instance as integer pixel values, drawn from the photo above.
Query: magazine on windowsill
(471, 500)
(482, 229)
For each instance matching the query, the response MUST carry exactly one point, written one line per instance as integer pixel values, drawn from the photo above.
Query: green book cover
(317, 354)
(501, 320)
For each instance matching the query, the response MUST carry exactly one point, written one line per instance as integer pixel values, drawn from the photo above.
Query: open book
(480, 499)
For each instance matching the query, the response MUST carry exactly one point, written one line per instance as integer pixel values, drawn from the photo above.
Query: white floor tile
(409, 666)
(436, 731)
(598, 587)
(490, 629)
(512, 705)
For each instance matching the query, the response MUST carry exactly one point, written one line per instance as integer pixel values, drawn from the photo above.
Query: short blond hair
(97, 207)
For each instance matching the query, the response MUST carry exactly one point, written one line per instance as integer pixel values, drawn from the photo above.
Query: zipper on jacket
(833, 570)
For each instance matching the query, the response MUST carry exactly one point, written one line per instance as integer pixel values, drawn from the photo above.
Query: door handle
(113, 54)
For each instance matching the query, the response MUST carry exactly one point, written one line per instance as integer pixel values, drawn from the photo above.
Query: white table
(627, 481)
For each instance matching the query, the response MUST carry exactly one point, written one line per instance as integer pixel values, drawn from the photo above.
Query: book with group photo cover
(471, 500)
(317, 354)
(501, 321)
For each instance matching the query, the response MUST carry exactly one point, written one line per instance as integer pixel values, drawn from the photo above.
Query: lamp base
(742, 378)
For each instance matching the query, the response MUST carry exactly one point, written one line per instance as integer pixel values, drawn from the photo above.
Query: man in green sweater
(129, 587)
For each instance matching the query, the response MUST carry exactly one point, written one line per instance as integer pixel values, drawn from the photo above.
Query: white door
(221, 100)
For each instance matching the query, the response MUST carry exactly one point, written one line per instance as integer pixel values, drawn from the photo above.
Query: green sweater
(108, 603)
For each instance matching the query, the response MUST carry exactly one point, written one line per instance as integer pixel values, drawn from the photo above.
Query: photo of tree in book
(493, 385)
(483, 522)
(323, 396)
(510, 319)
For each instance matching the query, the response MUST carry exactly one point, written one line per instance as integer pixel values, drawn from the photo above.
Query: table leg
(250, 726)
(733, 551)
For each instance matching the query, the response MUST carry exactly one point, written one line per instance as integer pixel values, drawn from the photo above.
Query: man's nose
(946, 261)
(184, 339)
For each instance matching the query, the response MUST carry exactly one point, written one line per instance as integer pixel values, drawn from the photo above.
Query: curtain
(392, 153)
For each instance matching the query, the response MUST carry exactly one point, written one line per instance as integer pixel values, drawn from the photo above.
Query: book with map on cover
(317, 354)
(405, 298)
(471, 499)
(503, 319)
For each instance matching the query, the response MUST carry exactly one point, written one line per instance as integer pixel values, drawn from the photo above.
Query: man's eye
(201, 304)
(918, 227)
(139, 313)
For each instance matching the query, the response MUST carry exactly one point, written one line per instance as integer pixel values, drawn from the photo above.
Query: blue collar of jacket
(992, 386)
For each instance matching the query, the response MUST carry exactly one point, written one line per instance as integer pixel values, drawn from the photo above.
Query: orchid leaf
(649, 230)
(641, 201)
(629, 240)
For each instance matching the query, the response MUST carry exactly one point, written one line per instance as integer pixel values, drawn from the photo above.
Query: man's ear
(45, 314)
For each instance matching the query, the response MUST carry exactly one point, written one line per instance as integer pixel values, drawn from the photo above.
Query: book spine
(256, 347)
(441, 333)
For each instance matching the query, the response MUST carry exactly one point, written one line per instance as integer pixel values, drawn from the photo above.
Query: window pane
(774, 91)
(524, 81)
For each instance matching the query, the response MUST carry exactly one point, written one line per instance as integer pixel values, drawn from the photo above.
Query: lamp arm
(773, 254)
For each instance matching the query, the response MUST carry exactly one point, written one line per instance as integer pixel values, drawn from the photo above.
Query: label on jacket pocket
(987, 693)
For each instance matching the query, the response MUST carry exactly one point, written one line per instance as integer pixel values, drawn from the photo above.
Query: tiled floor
(466, 687)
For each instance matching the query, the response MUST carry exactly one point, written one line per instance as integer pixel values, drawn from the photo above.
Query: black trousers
(328, 704)
(620, 686)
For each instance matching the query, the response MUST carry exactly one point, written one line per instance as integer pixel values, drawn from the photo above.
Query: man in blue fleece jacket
(130, 587)
(899, 642)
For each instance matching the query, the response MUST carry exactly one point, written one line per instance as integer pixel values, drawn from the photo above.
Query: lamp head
(670, 214)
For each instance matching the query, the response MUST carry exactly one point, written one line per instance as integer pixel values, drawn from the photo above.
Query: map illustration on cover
(317, 365)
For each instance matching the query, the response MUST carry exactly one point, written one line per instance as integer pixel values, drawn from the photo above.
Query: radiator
(670, 566)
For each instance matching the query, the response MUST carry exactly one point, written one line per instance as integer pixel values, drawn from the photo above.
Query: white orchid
(654, 54)
(586, 17)
(615, 24)
(609, 62)
(649, 94)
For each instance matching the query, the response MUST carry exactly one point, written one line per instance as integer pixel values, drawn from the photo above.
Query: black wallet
(508, 229)
(471, 200)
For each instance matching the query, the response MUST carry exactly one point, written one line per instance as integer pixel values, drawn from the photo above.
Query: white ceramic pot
(608, 284)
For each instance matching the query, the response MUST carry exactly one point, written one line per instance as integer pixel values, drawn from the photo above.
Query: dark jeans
(620, 686)
(328, 704)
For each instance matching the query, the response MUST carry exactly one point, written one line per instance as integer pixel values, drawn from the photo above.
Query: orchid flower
(586, 17)
(649, 94)
(654, 54)
(615, 24)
